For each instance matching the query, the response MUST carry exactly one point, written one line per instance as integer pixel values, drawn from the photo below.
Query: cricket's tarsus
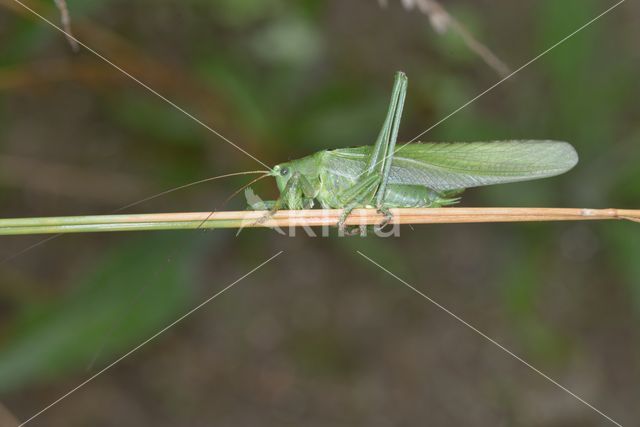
(421, 175)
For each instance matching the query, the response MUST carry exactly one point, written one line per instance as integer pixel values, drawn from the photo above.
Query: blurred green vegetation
(284, 79)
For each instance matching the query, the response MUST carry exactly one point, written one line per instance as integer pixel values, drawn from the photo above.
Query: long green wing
(457, 165)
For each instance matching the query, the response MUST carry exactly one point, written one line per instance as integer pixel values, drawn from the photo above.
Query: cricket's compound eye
(284, 171)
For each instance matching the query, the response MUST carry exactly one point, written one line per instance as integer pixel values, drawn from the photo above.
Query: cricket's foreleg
(297, 194)
(291, 197)
(262, 205)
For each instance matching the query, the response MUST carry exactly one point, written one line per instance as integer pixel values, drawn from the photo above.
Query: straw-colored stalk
(309, 218)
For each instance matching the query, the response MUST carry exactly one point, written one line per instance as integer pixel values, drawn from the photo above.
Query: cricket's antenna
(130, 205)
(191, 184)
(234, 194)
(239, 190)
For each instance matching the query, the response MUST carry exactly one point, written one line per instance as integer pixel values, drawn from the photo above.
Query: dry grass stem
(301, 218)
(320, 217)
(442, 21)
(65, 18)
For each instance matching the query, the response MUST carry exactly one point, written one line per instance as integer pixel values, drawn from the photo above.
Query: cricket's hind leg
(388, 217)
(354, 230)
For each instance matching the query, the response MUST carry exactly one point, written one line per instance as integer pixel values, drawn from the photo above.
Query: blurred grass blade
(47, 342)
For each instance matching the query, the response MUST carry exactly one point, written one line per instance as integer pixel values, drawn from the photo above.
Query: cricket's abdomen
(413, 196)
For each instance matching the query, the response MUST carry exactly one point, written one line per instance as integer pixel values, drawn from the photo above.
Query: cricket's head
(282, 173)
(307, 167)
